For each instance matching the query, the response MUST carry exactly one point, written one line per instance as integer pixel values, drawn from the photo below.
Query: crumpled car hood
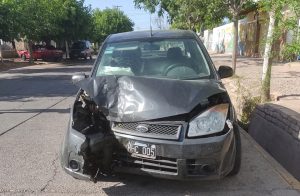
(132, 98)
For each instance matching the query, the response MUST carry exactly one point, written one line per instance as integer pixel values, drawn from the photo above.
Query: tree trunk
(1, 59)
(267, 64)
(13, 43)
(67, 49)
(235, 41)
(298, 31)
(30, 51)
(257, 34)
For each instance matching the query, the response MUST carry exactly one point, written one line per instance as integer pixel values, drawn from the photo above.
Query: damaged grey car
(153, 104)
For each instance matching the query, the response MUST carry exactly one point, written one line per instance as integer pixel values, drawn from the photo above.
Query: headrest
(174, 53)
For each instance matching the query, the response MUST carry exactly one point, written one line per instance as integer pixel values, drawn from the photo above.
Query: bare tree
(235, 7)
(267, 64)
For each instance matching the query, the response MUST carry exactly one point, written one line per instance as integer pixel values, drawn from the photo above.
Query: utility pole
(119, 18)
(117, 7)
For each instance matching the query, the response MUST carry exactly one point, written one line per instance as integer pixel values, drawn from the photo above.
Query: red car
(42, 52)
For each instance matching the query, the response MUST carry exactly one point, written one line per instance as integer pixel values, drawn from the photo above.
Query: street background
(34, 111)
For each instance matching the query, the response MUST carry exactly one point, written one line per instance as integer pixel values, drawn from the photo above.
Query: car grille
(160, 164)
(161, 131)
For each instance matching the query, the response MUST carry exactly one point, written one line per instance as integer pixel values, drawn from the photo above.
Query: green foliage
(249, 105)
(287, 14)
(9, 22)
(43, 20)
(187, 14)
(292, 50)
(109, 21)
(245, 104)
(75, 20)
(34, 19)
(280, 22)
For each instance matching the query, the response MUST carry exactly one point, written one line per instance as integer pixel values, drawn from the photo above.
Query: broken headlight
(209, 122)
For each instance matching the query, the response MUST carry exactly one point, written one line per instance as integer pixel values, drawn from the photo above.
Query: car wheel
(85, 57)
(91, 57)
(238, 155)
(23, 57)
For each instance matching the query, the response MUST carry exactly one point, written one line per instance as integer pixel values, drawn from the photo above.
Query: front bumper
(197, 158)
(203, 158)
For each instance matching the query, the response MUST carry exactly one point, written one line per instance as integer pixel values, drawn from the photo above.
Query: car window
(50, 47)
(166, 58)
(36, 47)
(88, 44)
(78, 45)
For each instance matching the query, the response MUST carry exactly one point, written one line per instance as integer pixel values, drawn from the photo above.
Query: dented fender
(70, 148)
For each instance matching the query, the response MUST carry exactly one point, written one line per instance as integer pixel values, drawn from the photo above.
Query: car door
(37, 52)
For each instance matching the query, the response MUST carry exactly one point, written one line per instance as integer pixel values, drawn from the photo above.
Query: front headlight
(211, 121)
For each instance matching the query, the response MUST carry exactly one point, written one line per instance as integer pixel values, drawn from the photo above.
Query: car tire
(91, 56)
(238, 156)
(85, 57)
(23, 57)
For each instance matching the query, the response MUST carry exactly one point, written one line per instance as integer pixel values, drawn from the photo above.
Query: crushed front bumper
(202, 158)
(194, 158)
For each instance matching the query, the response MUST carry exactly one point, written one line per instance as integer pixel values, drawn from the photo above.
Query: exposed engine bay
(97, 150)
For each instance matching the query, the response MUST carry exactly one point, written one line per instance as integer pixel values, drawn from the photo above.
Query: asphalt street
(34, 112)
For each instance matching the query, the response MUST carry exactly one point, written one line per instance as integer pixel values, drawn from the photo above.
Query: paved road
(34, 106)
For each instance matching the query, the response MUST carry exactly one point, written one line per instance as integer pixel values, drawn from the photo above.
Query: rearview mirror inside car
(225, 71)
(78, 77)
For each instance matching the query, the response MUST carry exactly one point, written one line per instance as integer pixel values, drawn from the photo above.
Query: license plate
(141, 149)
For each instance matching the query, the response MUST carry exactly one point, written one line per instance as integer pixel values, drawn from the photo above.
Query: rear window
(78, 45)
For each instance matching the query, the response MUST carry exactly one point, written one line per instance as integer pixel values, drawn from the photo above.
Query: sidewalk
(285, 81)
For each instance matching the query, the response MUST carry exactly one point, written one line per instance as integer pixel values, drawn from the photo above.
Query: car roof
(156, 34)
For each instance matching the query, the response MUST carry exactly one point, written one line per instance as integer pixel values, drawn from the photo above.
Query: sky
(140, 17)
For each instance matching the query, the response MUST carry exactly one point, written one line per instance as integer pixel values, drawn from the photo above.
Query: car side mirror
(225, 71)
(78, 77)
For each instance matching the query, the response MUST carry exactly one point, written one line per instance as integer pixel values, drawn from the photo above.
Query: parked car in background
(154, 104)
(46, 53)
(81, 49)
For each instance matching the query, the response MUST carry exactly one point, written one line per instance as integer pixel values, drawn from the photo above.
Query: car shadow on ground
(136, 184)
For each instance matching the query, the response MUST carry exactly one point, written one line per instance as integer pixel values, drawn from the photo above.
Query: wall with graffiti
(223, 39)
(220, 39)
